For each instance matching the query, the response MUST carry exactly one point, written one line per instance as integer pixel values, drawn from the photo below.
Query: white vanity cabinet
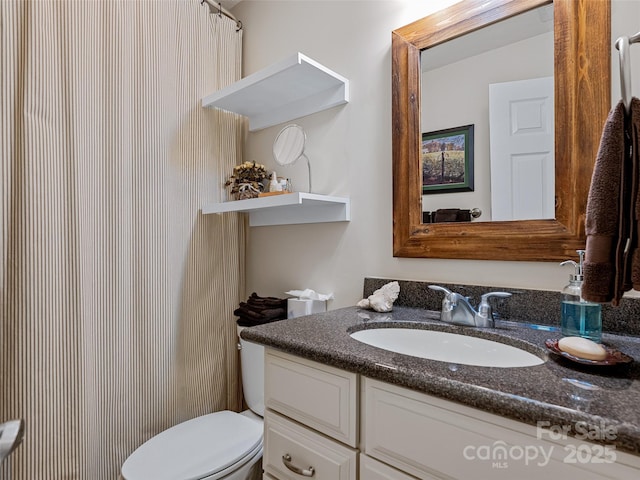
(428, 438)
(327, 423)
(371, 469)
(311, 427)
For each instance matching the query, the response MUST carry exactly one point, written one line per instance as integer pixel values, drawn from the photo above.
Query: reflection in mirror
(288, 147)
(499, 80)
(582, 86)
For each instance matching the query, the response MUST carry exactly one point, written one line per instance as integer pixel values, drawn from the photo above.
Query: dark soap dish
(614, 356)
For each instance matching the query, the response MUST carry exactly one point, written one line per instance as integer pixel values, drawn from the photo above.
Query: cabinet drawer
(371, 469)
(322, 397)
(427, 436)
(305, 450)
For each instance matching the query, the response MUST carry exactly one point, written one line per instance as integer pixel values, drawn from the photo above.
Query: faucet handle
(447, 292)
(449, 296)
(449, 301)
(484, 299)
(485, 312)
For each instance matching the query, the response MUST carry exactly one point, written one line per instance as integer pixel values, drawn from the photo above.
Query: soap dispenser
(579, 317)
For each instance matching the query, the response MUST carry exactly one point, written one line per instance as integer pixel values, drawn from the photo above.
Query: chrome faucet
(457, 310)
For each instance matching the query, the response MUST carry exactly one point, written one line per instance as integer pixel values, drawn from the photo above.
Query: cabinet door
(322, 397)
(427, 436)
(292, 452)
(371, 469)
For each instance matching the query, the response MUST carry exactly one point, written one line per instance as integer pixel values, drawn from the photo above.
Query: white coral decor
(382, 299)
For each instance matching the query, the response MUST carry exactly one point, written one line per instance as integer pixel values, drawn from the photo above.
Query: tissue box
(297, 307)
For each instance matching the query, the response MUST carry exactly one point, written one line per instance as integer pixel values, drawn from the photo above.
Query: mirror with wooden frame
(582, 53)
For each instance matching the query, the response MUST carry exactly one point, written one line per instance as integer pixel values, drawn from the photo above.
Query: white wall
(350, 151)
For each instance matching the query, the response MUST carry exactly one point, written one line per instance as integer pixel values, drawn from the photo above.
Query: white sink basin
(447, 347)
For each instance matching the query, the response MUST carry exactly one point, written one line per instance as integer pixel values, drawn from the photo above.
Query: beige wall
(350, 152)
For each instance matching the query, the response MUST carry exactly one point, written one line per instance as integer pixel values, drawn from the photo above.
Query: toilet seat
(210, 446)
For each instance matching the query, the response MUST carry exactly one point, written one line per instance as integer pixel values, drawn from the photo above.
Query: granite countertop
(559, 391)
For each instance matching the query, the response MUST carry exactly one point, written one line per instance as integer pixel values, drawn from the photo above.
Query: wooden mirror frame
(582, 31)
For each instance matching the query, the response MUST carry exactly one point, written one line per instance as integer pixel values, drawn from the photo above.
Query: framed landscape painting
(447, 160)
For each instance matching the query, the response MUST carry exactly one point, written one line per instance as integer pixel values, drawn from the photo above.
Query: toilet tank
(252, 368)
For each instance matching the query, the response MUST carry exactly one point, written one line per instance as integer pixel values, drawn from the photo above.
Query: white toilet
(219, 446)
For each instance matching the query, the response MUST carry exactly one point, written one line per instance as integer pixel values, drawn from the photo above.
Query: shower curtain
(116, 293)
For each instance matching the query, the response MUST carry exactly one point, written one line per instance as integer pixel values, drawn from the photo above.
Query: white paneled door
(521, 118)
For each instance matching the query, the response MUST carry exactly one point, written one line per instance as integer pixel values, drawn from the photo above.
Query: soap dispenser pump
(579, 318)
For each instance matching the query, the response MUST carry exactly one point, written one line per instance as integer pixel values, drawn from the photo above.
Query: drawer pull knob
(286, 459)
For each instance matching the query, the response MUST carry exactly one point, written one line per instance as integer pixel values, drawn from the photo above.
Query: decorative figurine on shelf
(246, 181)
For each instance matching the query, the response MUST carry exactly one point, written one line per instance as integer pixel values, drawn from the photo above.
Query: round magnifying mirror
(288, 147)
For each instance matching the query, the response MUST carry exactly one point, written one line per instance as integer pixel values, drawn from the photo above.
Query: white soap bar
(582, 348)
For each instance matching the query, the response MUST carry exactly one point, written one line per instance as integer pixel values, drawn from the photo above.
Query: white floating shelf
(293, 88)
(287, 209)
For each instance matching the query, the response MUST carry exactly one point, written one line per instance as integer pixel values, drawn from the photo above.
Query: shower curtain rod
(217, 8)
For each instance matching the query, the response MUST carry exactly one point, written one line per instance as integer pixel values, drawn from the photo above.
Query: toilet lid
(195, 449)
